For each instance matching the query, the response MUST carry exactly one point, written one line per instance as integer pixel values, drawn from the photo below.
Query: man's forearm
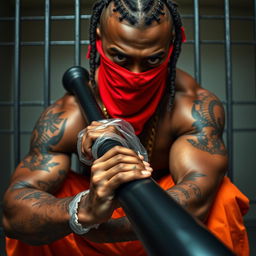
(114, 230)
(35, 217)
(189, 196)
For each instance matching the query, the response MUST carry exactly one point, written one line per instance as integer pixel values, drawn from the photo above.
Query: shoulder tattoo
(47, 133)
(208, 124)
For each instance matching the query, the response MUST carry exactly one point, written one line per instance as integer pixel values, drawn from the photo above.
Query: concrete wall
(6, 55)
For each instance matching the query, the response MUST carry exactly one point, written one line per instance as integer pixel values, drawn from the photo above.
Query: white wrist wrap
(81, 156)
(127, 139)
(73, 221)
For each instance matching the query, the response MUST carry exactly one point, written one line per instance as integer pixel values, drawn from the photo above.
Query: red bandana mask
(131, 96)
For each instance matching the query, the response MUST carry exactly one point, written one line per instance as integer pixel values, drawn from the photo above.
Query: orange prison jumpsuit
(225, 221)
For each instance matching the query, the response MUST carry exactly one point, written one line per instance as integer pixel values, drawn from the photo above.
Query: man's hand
(119, 165)
(91, 133)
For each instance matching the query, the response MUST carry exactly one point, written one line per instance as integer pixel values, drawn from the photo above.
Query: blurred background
(51, 36)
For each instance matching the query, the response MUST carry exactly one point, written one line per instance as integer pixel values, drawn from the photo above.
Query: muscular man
(179, 123)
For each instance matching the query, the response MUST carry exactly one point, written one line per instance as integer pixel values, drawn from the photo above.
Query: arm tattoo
(49, 185)
(113, 231)
(194, 176)
(42, 223)
(23, 193)
(21, 184)
(52, 185)
(186, 190)
(183, 191)
(41, 198)
(203, 113)
(47, 133)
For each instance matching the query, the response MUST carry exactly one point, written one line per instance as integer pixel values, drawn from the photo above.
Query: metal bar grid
(47, 43)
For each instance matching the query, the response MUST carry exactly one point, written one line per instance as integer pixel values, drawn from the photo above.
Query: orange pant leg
(225, 221)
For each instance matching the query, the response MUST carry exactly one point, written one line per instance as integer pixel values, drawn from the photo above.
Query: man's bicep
(197, 174)
(49, 179)
(201, 148)
(190, 162)
(46, 165)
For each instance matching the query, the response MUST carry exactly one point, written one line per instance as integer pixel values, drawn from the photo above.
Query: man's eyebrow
(114, 49)
(155, 55)
(158, 54)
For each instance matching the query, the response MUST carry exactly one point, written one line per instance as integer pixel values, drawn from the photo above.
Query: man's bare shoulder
(61, 122)
(185, 83)
(194, 104)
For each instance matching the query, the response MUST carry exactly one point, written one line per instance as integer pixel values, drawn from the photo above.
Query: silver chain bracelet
(76, 227)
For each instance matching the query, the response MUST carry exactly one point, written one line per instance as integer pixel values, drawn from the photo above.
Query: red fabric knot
(88, 52)
(183, 35)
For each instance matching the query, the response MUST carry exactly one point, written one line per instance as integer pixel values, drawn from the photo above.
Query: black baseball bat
(162, 225)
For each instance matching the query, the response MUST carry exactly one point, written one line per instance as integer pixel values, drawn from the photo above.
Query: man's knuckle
(89, 133)
(112, 129)
(120, 166)
(119, 176)
(94, 168)
(117, 148)
(93, 123)
(95, 179)
(119, 157)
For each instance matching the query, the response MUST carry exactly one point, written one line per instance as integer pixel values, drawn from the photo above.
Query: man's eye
(154, 60)
(119, 58)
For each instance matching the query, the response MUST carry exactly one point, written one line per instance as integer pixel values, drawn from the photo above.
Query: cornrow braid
(172, 7)
(136, 12)
(95, 19)
(148, 5)
(155, 15)
(125, 13)
(131, 5)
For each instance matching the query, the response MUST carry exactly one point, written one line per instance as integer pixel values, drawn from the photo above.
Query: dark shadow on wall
(6, 60)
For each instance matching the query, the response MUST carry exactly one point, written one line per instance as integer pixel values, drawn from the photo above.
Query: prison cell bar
(254, 37)
(16, 114)
(47, 63)
(197, 48)
(77, 52)
(229, 91)
(77, 34)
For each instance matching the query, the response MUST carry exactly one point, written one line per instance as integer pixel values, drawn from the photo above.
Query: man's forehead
(114, 31)
(109, 12)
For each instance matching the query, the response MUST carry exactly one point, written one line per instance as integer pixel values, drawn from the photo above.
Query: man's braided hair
(139, 12)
